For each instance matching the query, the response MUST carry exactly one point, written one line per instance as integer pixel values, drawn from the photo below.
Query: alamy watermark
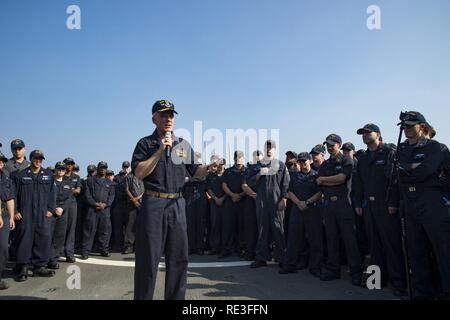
(374, 19)
(73, 21)
(74, 280)
(374, 280)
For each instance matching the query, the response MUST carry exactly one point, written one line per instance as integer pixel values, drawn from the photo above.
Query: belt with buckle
(334, 198)
(371, 198)
(412, 189)
(163, 195)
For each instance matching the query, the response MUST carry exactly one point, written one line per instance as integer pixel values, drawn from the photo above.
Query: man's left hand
(392, 210)
(282, 205)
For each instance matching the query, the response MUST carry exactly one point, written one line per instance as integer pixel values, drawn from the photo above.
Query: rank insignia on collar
(181, 153)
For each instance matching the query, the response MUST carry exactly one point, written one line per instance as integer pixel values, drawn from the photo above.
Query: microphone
(168, 148)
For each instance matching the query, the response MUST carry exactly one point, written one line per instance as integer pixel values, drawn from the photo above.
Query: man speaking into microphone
(162, 161)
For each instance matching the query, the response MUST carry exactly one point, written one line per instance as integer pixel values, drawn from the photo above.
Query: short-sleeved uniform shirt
(12, 166)
(234, 178)
(6, 190)
(214, 182)
(134, 185)
(332, 167)
(169, 175)
(75, 182)
(63, 191)
(304, 185)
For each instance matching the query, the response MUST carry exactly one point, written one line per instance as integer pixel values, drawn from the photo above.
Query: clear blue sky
(308, 68)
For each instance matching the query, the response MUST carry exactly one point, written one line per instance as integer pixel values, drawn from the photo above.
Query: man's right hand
(219, 202)
(165, 142)
(136, 203)
(100, 206)
(359, 211)
(236, 197)
(18, 216)
(302, 205)
(59, 212)
(12, 224)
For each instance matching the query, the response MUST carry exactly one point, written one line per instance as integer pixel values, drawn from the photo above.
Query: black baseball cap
(291, 154)
(163, 106)
(257, 153)
(91, 168)
(51, 168)
(369, 128)
(3, 158)
(76, 167)
(304, 156)
(109, 173)
(102, 164)
(333, 139)
(412, 118)
(68, 161)
(37, 154)
(348, 146)
(17, 143)
(126, 164)
(272, 143)
(318, 149)
(238, 154)
(60, 165)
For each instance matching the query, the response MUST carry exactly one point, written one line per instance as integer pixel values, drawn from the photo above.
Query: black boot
(258, 264)
(287, 270)
(3, 285)
(105, 254)
(70, 260)
(84, 256)
(53, 265)
(225, 254)
(23, 274)
(43, 272)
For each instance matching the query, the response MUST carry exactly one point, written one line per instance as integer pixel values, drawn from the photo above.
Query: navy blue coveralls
(6, 194)
(270, 189)
(98, 222)
(194, 193)
(304, 225)
(233, 214)
(71, 217)
(339, 219)
(445, 171)
(214, 186)
(35, 194)
(119, 213)
(383, 229)
(63, 190)
(82, 208)
(161, 222)
(250, 223)
(427, 218)
(11, 168)
(360, 223)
